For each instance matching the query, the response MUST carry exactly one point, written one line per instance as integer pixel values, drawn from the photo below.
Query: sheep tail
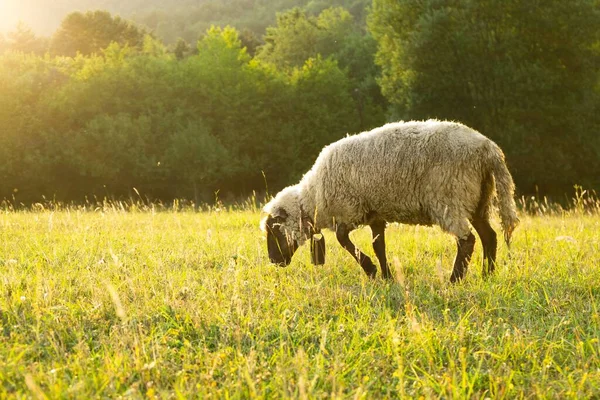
(505, 189)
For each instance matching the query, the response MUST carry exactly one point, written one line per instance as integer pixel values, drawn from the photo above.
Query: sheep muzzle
(280, 246)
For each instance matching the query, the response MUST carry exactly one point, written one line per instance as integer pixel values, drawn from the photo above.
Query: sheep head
(287, 228)
(281, 244)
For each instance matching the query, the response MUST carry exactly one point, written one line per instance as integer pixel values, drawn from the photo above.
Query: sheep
(417, 172)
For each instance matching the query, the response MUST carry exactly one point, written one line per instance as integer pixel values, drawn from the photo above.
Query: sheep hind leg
(489, 243)
(378, 231)
(458, 226)
(464, 252)
(342, 234)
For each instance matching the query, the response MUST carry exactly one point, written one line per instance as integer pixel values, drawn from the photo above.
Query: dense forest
(240, 95)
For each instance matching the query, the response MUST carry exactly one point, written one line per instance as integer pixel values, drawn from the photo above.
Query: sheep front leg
(342, 234)
(378, 231)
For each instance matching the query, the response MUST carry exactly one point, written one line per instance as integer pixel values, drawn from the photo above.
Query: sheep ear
(317, 249)
(279, 213)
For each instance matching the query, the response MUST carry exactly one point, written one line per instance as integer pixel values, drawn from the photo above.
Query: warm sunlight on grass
(111, 110)
(113, 303)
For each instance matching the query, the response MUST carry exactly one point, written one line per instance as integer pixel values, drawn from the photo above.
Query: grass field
(144, 304)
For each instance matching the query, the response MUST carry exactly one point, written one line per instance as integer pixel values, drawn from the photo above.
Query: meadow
(145, 302)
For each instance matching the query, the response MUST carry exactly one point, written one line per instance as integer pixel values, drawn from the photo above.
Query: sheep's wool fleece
(418, 172)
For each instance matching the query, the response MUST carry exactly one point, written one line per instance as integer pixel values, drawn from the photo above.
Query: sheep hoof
(386, 274)
(371, 272)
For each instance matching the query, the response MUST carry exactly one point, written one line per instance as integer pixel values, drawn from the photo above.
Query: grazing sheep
(431, 172)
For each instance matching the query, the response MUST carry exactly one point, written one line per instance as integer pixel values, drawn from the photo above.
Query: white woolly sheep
(419, 172)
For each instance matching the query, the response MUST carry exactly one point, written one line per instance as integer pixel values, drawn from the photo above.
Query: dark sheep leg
(342, 234)
(317, 250)
(489, 243)
(378, 231)
(463, 256)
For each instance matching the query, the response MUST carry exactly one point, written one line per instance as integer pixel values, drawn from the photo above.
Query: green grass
(183, 304)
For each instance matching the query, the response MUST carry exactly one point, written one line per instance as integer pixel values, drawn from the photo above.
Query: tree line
(102, 120)
(105, 106)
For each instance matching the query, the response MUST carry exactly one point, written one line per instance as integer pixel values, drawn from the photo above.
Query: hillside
(177, 18)
(44, 18)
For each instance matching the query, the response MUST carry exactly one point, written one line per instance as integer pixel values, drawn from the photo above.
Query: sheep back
(415, 172)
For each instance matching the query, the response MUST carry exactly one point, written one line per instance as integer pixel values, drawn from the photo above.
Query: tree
(90, 32)
(22, 39)
(229, 94)
(250, 40)
(299, 36)
(110, 151)
(124, 118)
(154, 47)
(516, 70)
(25, 80)
(197, 161)
(182, 49)
(358, 8)
(324, 111)
(333, 34)
(292, 41)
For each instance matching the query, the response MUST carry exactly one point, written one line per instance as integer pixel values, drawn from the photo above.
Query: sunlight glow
(9, 15)
(42, 20)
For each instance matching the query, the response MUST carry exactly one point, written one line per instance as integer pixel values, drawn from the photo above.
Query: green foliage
(358, 8)
(25, 152)
(197, 161)
(90, 32)
(321, 82)
(116, 119)
(154, 47)
(117, 144)
(521, 72)
(215, 120)
(250, 40)
(292, 41)
(182, 49)
(251, 17)
(160, 304)
(299, 36)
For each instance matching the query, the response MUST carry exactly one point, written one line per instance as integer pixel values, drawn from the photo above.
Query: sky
(9, 10)
(42, 20)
